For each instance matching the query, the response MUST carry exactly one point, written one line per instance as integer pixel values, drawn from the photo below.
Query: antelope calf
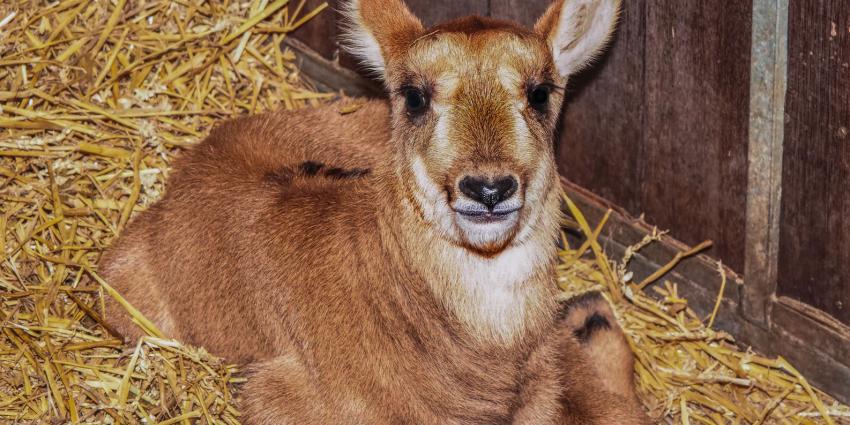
(395, 265)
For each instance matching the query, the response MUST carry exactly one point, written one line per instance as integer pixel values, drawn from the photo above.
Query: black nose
(486, 191)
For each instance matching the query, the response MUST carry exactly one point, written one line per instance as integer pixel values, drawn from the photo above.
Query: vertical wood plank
(661, 129)
(525, 12)
(602, 127)
(815, 231)
(320, 33)
(767, 105)
(693, 159)
(433, 12)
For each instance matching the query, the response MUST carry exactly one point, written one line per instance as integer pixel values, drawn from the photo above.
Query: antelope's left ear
(577, 31)
(377, 31)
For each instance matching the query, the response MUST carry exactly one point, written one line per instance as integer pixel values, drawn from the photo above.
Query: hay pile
(96, 99)
(688, 372)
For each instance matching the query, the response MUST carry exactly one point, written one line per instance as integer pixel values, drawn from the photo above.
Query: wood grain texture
(694, 159)
(523, 11)
(602, 128)
(768, 78)
(815, 231)
(320, 33)
(436, 11)
(663, 129)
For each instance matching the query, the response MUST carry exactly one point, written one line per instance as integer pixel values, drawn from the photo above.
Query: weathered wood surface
(435, 11)
(320, 33)
(662, 130)
(764, 175)
(814, 250)
(603, 127)
(525, 12)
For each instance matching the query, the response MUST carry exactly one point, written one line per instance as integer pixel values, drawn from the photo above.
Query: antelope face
(475, 113)
(475, 103)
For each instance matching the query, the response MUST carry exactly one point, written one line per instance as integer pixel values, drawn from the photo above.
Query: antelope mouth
(473, 212)
(488, 229)
(487, 216)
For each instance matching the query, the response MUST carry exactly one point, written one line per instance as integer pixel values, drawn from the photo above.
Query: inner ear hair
(375, 31)
(577, 31)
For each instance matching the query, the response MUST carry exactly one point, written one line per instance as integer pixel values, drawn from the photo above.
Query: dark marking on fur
(311, 168)
(341, 173)
(594, 323)
(587, 299)
(284, 175)
(334, 172)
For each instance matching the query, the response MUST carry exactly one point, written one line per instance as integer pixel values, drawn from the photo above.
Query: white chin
(487, 233)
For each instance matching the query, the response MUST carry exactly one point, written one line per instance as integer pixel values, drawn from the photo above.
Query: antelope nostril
(486, 191)
(507, 186)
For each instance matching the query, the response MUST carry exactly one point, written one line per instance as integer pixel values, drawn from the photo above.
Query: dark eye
(538, 97)
(415, 99)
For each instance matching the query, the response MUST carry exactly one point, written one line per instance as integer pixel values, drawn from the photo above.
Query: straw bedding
(97, 98)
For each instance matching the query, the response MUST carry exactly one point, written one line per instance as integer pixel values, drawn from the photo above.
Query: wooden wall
(661, 127)
(814, 264)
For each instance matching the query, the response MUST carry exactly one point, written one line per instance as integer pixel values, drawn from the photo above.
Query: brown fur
(307, 245)
(606, 346)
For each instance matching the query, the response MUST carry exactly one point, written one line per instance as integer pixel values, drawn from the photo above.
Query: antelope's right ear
(375, 31)
(577, 31)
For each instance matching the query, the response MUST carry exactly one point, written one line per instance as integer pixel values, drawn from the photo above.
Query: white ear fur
(359, 41)
(581, 31)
